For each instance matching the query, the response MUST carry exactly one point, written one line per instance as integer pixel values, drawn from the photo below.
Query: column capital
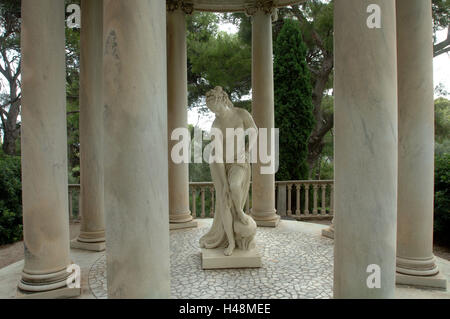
(172, 5)
(265, 6)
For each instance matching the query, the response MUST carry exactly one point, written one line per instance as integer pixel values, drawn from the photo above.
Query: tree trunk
(323, 124)
(11, 130)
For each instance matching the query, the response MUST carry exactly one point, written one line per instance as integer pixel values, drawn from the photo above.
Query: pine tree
(293, 102)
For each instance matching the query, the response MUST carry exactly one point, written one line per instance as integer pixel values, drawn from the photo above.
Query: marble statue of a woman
(231, 227)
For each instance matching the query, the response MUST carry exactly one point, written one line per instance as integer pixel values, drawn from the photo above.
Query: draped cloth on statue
(243, 233)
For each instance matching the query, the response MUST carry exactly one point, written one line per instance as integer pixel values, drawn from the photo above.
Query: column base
(417, 267)
(273, 222)
(266, 218)
(329, 233)
(75, 243)
(31, 284)
(268, 223)
(178, 218)
(190, 224)
(437, 281)
(61, 293)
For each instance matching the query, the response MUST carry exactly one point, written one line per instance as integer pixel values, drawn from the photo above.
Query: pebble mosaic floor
(295, 265)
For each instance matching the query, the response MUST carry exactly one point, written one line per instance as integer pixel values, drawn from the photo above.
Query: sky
(441, 74)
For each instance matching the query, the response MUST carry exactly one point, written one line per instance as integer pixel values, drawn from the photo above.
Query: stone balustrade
(301, 199)
(297, 199)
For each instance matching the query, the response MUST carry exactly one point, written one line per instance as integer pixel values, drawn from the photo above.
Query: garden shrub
(10, 199)
(442, 199)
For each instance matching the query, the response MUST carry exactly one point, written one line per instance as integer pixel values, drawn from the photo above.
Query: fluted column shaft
(92, 230)
(177, 101)
(365, 150)
(44, 147)
(263, 185)
(135, 161)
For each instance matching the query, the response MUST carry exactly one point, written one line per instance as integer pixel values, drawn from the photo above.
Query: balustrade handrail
(319, 181)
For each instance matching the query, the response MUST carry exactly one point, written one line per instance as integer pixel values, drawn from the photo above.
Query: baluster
(332, 199)
(289, 210)
(211, 212)
(298, 209)
(306, 199)
(202, 192)
(194, 202)
(315, 188)
(70, 205)
(324, 208)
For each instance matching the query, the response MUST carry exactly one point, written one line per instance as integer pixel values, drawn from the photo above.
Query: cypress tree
(293, 102)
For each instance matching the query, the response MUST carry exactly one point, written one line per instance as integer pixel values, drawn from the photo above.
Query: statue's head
(218, 101)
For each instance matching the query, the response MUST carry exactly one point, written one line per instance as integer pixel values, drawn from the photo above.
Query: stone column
(92, 231)
(179, 213)
(263, 185)
(415, 260)
(135, 160)
(365, 150)
(44, 150)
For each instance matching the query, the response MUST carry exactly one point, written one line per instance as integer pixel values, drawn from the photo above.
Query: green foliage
(243, 22)
(442, 171)
(10, 199)
(442, 119)
(244, 104)
(198, 172)
(442, 126)
(224, 61)
(324, 169)
(293, 102)
(441, 14)
(73, 101)
(201, 28)
(10, 25)
(442, 199)
(215, 58)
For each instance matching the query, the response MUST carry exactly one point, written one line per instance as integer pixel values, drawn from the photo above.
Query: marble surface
(232, 228)
(44, 145)
(135, 149)
(91, 127)
(416, 139)
(365, 156)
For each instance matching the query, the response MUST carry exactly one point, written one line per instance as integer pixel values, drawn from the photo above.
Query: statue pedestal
(215, 259)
